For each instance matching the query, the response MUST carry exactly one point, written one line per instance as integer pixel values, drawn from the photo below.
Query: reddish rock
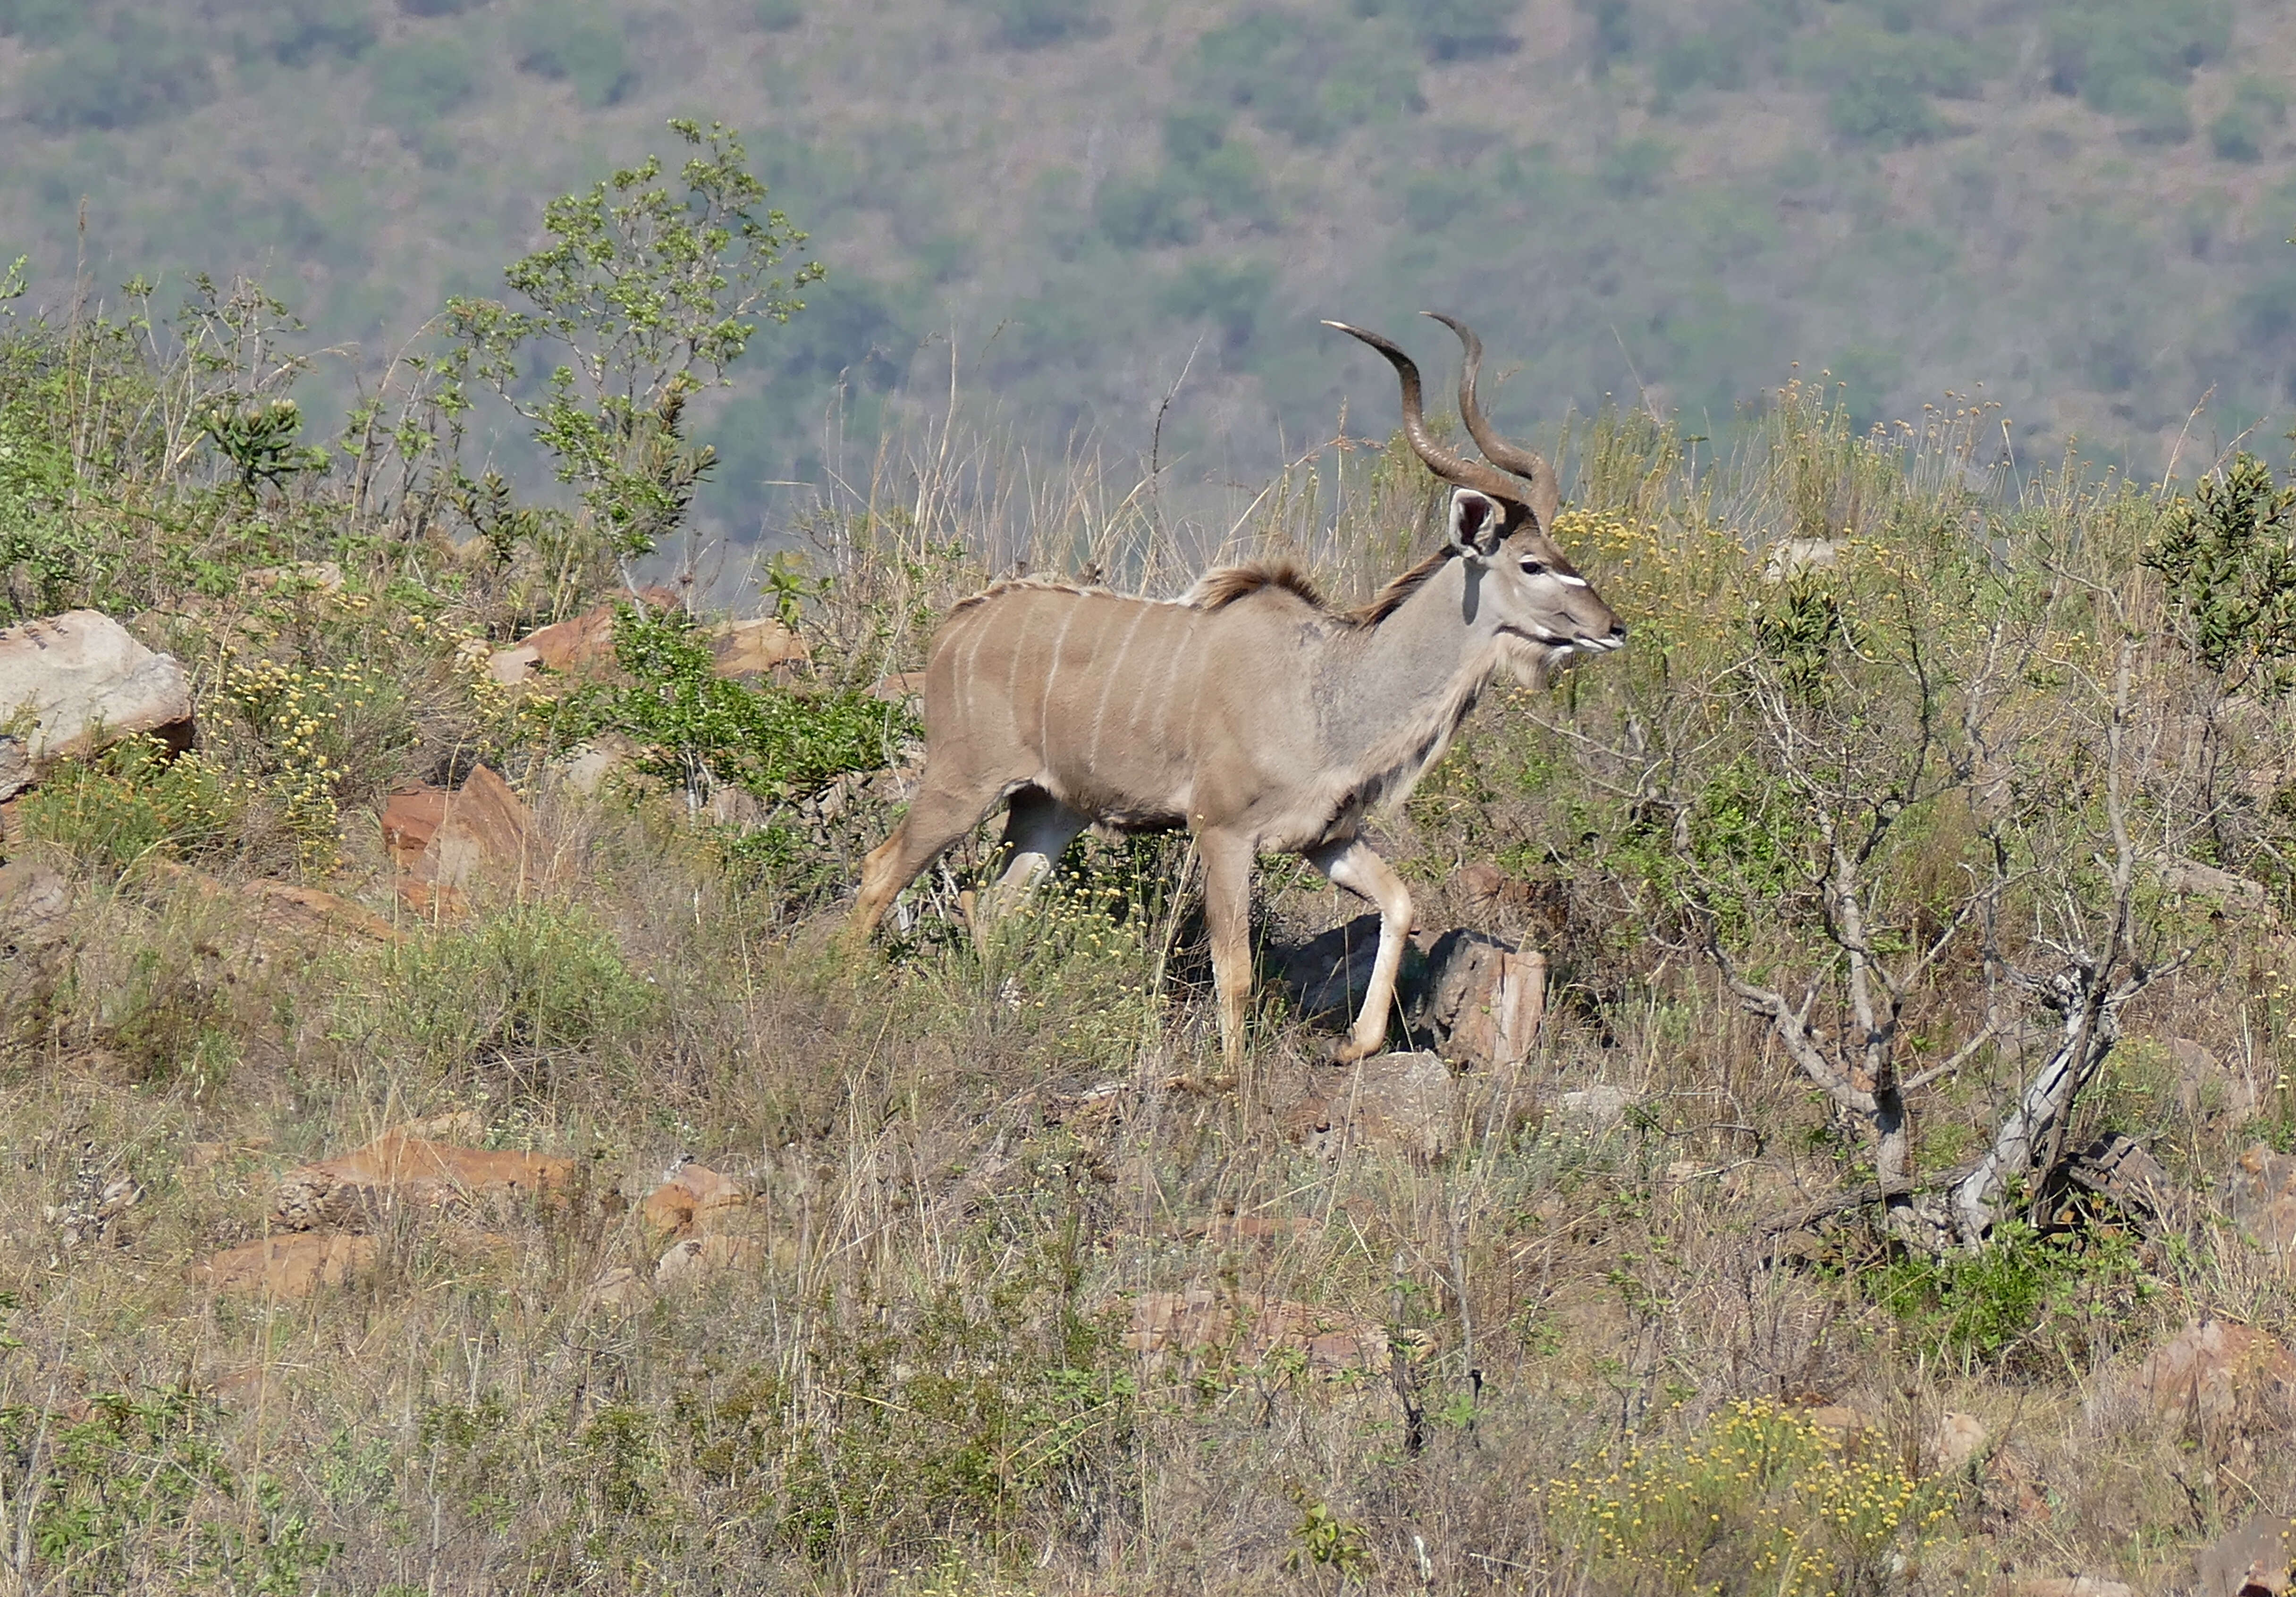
(2263, 1194)
(396, 1168)
(445, 842)
(2252, 1559)
(753, 647)
(696, 1259)
(694, 1199)
(898, 688)
(1250, 1328)
(33, 902)
(571, 648)
(73, 685)
(289, 1266)
(1487, 998)
(2213, 1370)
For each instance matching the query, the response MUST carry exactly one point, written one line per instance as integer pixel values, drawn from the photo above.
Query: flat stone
(2252, 1559)
(73, 685)
(696, 1259)
(2212, 1370)
(1403, 1100)
(33, 903)
(1591, 1111)
(753, 647)
(693, 1199)
(287, 1267)
(1959, 1437)
(396, 1168)
(2262, 1196)
(2206, 1088)
(2065, 1586)
(446, 841)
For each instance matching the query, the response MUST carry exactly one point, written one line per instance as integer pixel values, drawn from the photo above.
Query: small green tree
(2228, 555)
(650, 294)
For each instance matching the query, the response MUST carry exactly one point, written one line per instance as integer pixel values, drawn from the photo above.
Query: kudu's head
(1499, 525)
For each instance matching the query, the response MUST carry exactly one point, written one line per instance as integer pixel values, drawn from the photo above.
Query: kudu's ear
(1478, 523)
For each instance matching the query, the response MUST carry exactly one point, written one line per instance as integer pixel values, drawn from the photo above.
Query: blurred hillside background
(2081, 205)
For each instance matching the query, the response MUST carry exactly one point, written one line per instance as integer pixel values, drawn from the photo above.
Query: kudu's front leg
(1227, 915)
(1355, 867)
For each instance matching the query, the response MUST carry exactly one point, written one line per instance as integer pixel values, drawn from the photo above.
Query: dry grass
(918, 1382)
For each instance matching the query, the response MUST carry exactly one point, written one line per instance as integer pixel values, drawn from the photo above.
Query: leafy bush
(1758, 1499)
(2024, 1302)
(134, 802)
(2228, 553)
(699, 729)
(139, 72)
(1140, 213)
(418, 80)
(1880, 81)
(1231, 296)
(577, 43)
(778, 16)
(438, 8)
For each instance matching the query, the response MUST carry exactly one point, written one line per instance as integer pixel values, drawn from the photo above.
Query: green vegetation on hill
(2078, 203)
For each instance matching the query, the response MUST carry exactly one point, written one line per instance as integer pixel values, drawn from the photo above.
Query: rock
(1790, 557)
(2262, 1194)
(583, 645)
(693, 1199)
(2190, 877)
(2212, 1371)
(1486, 997)
(446, 841)
(287, 1267)
(2064, 1586)
(2252, 1559)
(396, 1168)
(753, 647)
(1959, 1439)
(1591, 1111)
(2119, 1168)
(315, 575)
(1250, 1328)
(1405, 1101)
(621, 1288)
(33, 901)
(696, 1259)
(2206, 1088)
(585, 768)
(72, 686)
(899, 688)
(303, 911)
(1840, 1418)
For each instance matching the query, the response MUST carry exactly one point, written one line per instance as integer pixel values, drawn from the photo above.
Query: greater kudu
(1249, 711)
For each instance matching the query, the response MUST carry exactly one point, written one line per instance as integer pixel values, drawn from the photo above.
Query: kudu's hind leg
(1355, 867)
(1038, 830)
(938, 815)
(1227, 916)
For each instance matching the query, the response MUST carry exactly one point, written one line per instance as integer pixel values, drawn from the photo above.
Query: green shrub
(438, 8)
(699, 729)
(2024, 1302)
(141, 72)
(135, 801)
(2257, 107)
(576, 43)
(1758, 1499)
(1880, 82)
(2228, 553)
(778, 16)
(418, 80)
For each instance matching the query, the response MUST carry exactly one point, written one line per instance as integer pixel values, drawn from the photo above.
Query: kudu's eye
(1532, 566)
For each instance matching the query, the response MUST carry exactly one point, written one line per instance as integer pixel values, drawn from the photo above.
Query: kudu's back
(1111, 704)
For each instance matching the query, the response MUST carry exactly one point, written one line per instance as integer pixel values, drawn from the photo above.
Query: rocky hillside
(1837, 1135)
(2080, 205)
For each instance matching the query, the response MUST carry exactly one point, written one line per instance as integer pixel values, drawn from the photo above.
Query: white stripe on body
(1100, 714)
